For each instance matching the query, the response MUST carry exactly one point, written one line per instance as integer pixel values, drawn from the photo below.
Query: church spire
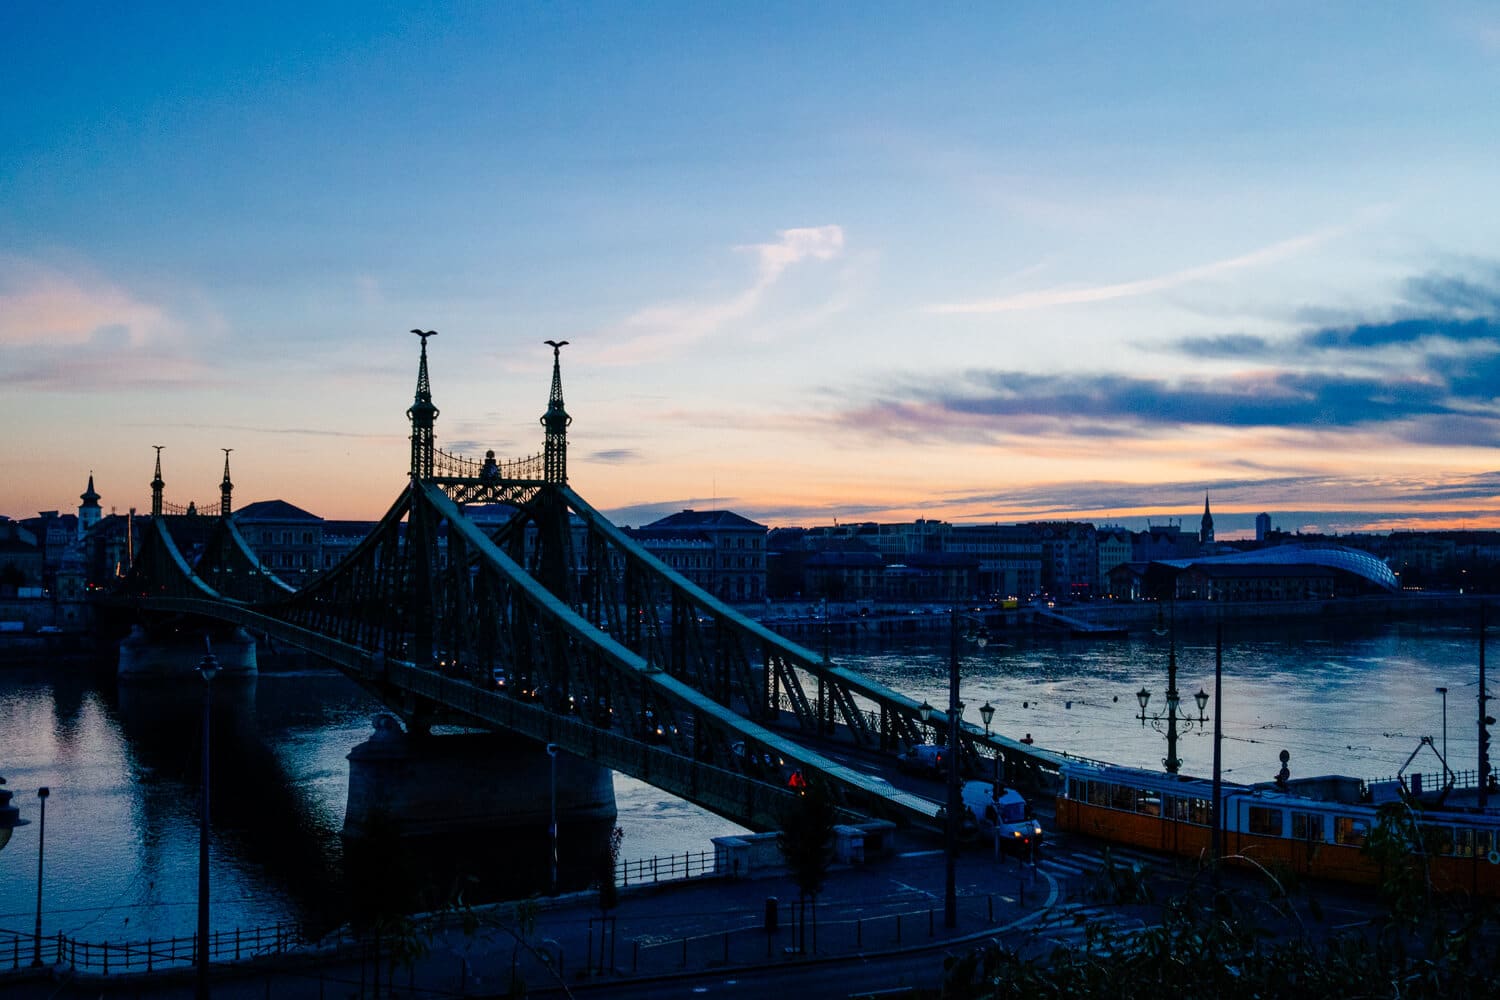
(556, 421)
(1206, 531)
(423, 417)
(156, 484)
(226, 487)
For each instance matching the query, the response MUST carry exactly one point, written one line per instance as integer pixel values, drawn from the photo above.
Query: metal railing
(151, 955)
(449, 466)
(665, 868)
(106, 958)
(1463, 780)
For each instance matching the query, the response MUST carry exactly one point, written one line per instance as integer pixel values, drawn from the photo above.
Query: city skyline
(814, 264)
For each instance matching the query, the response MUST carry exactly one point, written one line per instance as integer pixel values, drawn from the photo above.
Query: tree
(806, 842)
(609, 860)
(1254, 942)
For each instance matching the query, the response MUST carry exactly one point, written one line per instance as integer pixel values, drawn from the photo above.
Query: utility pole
(1218, 844)
(950, 829)
(1485, 722)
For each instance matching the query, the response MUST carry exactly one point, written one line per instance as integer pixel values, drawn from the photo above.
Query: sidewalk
(662, 930)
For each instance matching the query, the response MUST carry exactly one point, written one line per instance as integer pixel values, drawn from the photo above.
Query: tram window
(1200, 811)
(1463, 844)
(1125, 798)
(1098, 793)
(1442, 839)
(1350, 831)
(1483, 840)
(1307, 826)
(1265, 821)
(1150, 805)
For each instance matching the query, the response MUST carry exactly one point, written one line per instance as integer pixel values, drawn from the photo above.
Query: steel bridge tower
(226, 487)
(423, 415)
(556, 421)
(156, 484)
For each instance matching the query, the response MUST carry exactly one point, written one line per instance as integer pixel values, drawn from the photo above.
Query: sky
(814, 262)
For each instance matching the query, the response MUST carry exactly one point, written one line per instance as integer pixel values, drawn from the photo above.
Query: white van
(1001, 814)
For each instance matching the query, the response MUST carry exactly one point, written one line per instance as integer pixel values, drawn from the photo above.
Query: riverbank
(1119, 615)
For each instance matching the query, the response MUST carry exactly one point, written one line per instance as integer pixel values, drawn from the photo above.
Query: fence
(659, 869)
(1463, 780)
(149, 955)
(154, 955)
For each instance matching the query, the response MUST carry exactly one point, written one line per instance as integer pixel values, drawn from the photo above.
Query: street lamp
(987, 714)
(10, 816)
(1172, 762)
(207, 667)
(1444, 692)
(552, 750)
(41, 843)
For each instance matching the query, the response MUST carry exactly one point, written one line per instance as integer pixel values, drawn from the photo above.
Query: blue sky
(876, 261)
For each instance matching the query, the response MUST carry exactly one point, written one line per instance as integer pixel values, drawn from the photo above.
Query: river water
(122, 820)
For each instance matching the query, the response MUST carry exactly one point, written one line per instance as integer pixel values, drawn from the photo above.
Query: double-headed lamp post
(1172, 762)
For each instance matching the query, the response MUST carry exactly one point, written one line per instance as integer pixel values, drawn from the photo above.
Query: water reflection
(1345, 698)
(258, 813)
(123, 768)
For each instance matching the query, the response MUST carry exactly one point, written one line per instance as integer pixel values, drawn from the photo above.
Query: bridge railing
(689, 864)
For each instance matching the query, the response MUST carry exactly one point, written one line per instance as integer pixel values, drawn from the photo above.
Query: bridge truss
(493, 594)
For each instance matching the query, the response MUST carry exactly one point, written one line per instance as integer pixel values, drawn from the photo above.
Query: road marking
(920, 854)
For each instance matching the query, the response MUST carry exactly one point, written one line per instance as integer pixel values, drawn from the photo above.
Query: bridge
(556, 625)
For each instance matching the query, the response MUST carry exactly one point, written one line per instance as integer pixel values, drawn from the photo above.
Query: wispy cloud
(615, 456)
(71, 329)
(1419, 379)
(1049, 297)
(43, 305)
(659, 329)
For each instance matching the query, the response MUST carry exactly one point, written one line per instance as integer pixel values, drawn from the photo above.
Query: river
(122, 823)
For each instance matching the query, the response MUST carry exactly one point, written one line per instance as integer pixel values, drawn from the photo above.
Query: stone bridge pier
(493, 790)
(173, 655)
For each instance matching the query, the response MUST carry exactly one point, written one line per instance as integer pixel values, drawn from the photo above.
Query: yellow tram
(1317, 828)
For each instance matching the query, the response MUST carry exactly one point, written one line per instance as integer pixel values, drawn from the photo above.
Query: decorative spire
(88, 511)
(156, 484)
(226, 487)
(1206, 531)
(556, 421)
(423, 415)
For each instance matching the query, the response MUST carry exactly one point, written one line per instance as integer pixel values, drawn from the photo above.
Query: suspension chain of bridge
(557, 625)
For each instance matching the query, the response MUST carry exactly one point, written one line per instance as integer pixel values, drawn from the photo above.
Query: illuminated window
(1350, 831)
